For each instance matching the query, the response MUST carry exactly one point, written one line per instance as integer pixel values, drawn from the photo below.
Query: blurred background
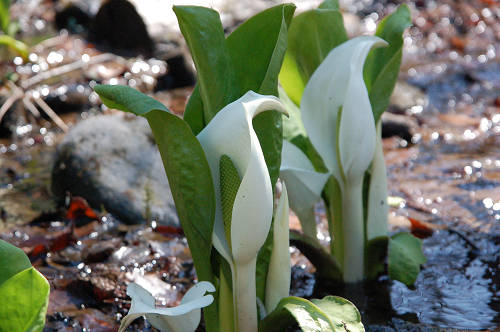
(82, 187)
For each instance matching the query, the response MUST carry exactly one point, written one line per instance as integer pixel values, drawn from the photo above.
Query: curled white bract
(304, 183)
(183, 318)
(231, 133)
(336, 110)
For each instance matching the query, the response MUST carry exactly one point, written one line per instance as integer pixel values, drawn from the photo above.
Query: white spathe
(183, 318)
(338, 118)
(337, 88)
(230, 133)
(304, 183)
(279, 273)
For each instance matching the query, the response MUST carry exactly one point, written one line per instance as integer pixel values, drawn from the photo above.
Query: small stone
(113, 162)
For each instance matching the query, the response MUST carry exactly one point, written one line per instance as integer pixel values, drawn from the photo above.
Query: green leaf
(382, 64)
(193, 114)
(375, 255)
(326, 265)
(187, 171)
(204, 34)
(12, 261)
(330, 314)
(309, 317)
(15, 45)
(24, 298)
(405, 257)
(257, 49)
(312, 35)
(5, 15)
(343, 314)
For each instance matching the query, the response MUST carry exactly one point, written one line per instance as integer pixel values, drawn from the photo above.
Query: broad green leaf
(204, 34)
(343, 314)
(405, 257)
(312, 35)
(15, 45)
(24, 298)
(382, 65)
(5, 15)
(187, 171)
(325, 264)
(309, 317)
(12, 261)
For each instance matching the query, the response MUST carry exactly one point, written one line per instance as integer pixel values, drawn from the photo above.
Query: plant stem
(353, 232)
(244, 297)
(226, 314)
(335, 217)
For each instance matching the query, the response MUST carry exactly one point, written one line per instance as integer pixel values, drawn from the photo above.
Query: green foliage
(16, 45)
(9, 29)
(188, 171)
(312, 35)
(5, 15)
(382, 65)
(375, 256)
(330, 314)
(12, 261)
(24, 292)
(343, 314)
(253, 55)
(405, 257)
(204, 34)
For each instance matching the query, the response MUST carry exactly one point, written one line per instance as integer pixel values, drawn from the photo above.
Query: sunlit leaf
(405, 257)
(312, 35)
(382, 65)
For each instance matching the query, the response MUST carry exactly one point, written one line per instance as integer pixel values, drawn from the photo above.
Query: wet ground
(447, 171)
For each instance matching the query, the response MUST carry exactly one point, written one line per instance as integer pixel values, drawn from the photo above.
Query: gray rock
(113, 162)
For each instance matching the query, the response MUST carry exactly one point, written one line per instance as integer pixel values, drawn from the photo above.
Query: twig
(46, 108)
(32, 108)
(8, 103)
(79, 64)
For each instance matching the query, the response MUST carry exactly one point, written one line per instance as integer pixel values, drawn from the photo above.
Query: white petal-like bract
(304, 183)
(183, 318)
(336, 89)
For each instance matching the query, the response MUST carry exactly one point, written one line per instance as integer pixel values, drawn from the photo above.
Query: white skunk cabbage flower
(279, 274)
(305, 185)
(183, 318)
(337, 88)
(338, 118)
(230, 134)
(378, 207)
